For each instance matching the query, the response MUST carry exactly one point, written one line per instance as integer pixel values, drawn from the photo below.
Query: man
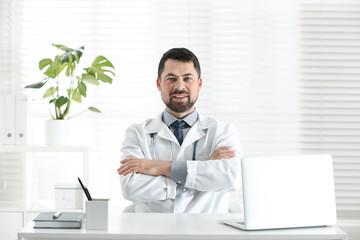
(180, 161)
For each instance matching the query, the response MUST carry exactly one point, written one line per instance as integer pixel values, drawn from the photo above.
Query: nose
(179, 84)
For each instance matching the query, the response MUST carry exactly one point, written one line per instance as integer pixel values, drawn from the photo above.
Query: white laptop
(287, 192)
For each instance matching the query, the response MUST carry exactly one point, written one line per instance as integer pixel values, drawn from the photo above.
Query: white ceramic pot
(57, 132)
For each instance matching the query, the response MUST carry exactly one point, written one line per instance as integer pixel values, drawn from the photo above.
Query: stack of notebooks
(64, 220)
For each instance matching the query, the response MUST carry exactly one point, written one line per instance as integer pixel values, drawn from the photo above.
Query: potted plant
(63, 87)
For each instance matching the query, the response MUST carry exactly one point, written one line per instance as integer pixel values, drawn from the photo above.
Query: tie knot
(178, 124)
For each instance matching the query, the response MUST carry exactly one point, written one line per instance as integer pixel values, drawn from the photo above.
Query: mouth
(179, 97)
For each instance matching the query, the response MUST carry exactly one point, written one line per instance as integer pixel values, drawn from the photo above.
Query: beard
(180, 107)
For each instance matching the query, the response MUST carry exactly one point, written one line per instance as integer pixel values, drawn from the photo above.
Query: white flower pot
(58, 132)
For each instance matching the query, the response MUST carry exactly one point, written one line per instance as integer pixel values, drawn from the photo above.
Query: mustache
(179, 92)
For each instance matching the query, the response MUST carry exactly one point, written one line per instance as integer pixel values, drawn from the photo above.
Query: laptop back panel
(288, 191)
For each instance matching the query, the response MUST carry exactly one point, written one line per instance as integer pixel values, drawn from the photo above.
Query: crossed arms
(143, 179)
(158, 168)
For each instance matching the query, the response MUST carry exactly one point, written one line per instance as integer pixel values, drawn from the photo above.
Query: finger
(126, 171)
(131, 170)
(120, 171)
(128, 159)
(223, 148)
(225, 154)
(124, 168)
(226, 150)
(230, 153)
(123, 161)
(126, 163)
(134, 163)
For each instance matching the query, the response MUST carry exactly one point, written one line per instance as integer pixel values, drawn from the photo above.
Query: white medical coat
(208, 182)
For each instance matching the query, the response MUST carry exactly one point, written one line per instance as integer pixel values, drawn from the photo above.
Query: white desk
(157, 226)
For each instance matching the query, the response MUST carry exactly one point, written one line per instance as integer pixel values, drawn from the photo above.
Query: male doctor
(180, 161)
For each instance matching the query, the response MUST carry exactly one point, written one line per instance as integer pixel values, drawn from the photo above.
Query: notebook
(65, 220)
(287, 192)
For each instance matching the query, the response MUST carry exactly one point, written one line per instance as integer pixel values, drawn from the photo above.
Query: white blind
(12, 191)
(12, 180)
(256, 49)
(6, 33)
(264, 69)
(331, 92)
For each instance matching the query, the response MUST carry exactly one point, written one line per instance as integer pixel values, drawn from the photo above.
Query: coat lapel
(197, 131)
(157, 126)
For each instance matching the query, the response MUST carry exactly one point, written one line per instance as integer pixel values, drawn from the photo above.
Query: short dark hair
(180, 54)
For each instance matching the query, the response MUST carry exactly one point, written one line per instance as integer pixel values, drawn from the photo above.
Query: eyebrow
(173, 75)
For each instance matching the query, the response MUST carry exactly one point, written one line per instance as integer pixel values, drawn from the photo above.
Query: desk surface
(177, 226)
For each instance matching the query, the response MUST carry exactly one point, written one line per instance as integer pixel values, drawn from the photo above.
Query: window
(284, 72)
(331, 92)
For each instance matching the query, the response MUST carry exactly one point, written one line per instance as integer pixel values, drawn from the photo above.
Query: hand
(144, 166)
(222, 153)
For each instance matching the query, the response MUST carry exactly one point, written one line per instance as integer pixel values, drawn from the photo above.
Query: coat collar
(158, 127)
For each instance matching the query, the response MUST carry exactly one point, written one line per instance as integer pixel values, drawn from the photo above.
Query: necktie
(178, 125)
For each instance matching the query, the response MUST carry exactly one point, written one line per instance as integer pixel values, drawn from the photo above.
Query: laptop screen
(288, 191)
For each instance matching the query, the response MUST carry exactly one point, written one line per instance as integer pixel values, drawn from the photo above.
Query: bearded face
(179, 86)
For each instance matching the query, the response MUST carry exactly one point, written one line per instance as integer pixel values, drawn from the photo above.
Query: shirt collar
(190, 119)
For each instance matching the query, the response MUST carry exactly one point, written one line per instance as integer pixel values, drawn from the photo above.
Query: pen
(56, 215)
(85, 190)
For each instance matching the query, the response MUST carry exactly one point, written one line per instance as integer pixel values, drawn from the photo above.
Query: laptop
(287, 192)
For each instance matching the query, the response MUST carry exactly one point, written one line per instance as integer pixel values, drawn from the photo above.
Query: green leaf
(49, 92)
(99, 68)
(70, 55)
(55, 68)
(65, 48)
(76, 97)
(103, 61)
(44, 62)
(78, 55)
(67, 73)
(89, 79)
(36, 85)
(59, 102)
(94, 109)
(69, 58)
(61, 47)
(82, 89)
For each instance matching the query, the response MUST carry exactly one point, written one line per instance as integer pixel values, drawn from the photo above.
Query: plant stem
(53, 97)
(70, 94)
(57, 81)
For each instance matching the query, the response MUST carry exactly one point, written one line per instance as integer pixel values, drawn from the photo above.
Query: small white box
(68, 196)
(97, 214)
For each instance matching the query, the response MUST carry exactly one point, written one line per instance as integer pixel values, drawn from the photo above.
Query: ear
(158, 83)
(200, 83)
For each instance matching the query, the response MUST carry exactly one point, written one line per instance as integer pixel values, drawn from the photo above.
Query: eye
(187, 78)
(170, 79)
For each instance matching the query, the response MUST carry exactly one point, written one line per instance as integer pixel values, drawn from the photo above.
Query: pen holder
(97, 212)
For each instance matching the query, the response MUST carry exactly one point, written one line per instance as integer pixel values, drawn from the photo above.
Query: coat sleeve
(217, 175)
(137, 186)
